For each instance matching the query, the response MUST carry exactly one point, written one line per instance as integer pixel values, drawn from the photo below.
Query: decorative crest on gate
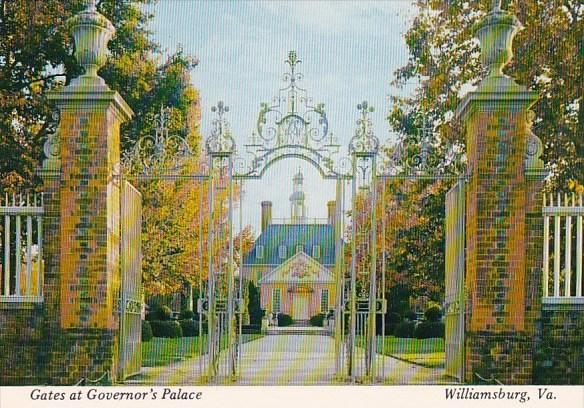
(161, 153)
(364, 143)
(291, 126)
(419, 155)
(220, 143)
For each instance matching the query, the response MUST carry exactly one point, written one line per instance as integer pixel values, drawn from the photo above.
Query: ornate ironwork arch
(291, 127)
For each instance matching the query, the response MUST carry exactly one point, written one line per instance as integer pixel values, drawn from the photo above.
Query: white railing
(562, 249)
(21, 269)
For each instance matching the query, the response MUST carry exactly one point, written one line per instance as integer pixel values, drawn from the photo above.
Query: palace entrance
(320, 286)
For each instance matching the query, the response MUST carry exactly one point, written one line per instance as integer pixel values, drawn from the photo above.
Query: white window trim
(322, 292)
(279, 308)
(282, 251)
(316, 251)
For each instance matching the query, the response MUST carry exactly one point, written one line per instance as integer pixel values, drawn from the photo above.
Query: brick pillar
(82, 286)
(502, 269)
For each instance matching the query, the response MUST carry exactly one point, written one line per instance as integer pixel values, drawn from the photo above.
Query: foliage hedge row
(159, 312)
(166, 328)
(190, 327)
(317, 320)
(428, 330)
(146, 331)
(284, 320)
(405, 329)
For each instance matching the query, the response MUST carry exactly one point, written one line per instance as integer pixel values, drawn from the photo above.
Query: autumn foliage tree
(36, 56)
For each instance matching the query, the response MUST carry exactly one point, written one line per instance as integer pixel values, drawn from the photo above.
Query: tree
(549, 58)
(253, 305)
(36, 56)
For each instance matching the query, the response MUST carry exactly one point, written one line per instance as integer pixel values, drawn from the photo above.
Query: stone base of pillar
(505, 357)
(82, 353)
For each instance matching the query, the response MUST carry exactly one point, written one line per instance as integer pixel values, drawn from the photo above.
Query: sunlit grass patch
(162, 351)
(426, 352)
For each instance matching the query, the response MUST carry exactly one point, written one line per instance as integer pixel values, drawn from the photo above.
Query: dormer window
(316, 251)
(282, 251)
(260, 252)
(299, 248)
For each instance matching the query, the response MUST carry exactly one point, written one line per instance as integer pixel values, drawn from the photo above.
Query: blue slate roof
(291, 235)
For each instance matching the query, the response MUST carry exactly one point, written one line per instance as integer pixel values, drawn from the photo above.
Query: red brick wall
(501, 279)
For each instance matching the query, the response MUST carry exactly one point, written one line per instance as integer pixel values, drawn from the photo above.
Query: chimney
(331, 212)
(266, 214)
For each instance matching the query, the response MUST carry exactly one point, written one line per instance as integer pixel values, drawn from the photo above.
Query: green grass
(162, 351)
(425, 352)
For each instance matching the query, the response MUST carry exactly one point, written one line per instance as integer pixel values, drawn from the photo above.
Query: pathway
(289, 359)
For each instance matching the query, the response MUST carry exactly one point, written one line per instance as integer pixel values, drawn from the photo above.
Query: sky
(349, 51)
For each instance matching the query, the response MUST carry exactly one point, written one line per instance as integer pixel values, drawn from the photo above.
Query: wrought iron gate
(130, 303)
(454, 297)
(290, 128)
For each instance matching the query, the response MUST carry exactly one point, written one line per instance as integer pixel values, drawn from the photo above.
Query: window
(316, 251)
(324, 300)
(260, 252)
(299, 248)
(282, 251)
(276, 301)
(258, 275)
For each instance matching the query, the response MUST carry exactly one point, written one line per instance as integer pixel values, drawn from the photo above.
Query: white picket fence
(21, 269)
(562, 250)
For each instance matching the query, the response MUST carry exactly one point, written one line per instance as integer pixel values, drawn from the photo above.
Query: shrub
(186, 314)
(410, 315)
(391, 321)
(428, 330)
(317, 320)
(166, 328)
(284, 320)
(253, 304)
(159, 312)
(190, 328)
(405, 329)
(433, 313)
(146, 331)
(251, 329)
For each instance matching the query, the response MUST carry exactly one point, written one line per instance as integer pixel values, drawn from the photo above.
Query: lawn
(426, 352)
(162, 351)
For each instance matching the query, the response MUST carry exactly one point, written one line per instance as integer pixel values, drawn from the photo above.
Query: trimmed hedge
(190, 328)
(166, 328)
(284, 320)
(392, 319)
(405, 329)
(251, 329)
(433, 313)
(317, 320)
(159, 313)
(410, 315)
(146, 331)
(429, 330)
(186, 314)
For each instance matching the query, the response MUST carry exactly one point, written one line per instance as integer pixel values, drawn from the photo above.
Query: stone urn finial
(495, 33)
(92, 32)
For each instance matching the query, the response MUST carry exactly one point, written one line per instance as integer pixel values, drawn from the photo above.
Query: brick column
(502, 272)
(83, 321)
